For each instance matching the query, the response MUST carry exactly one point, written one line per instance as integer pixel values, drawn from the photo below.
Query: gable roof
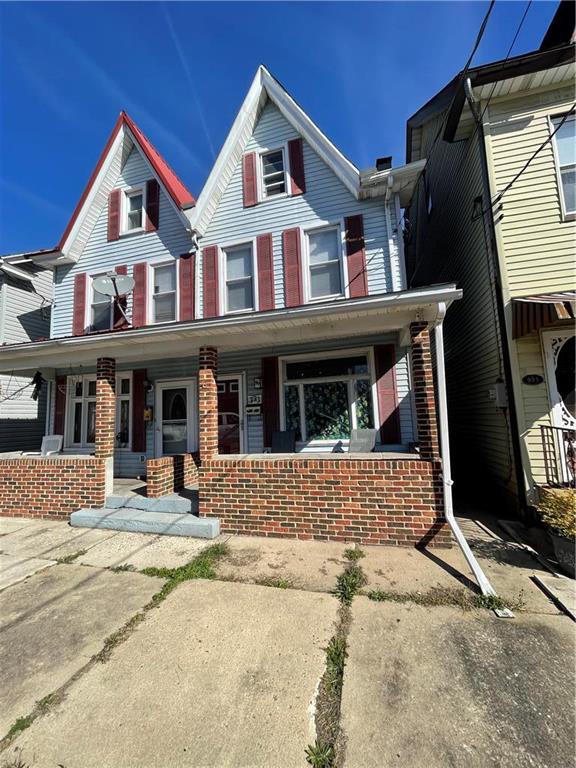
(265, 87)
(124, 136)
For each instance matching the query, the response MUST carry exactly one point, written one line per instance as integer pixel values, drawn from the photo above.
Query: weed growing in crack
(22, 723)
(320, 755)
(459, 598)
(16, 761)
(336, 654)
(354, 554)
(349, 582)
(202, 567)
(122, 568)
(277, 582)
(70, 558)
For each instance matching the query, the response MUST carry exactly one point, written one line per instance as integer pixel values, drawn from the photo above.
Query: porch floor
(128, 487)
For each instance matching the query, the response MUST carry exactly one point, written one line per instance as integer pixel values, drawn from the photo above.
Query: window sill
(283, 196)
(133, 232)
(569, 217)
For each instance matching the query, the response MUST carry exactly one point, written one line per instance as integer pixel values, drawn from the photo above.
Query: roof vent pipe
(384, 163)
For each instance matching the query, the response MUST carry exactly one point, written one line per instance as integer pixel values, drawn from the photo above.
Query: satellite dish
(113, 284)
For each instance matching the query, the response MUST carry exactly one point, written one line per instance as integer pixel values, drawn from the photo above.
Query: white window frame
(223, 283)
(309, 229)
(150, 304)
(88, 307)
(261, 189)
(311, 444)
(127, 193)
(566, 215)
(71, 400)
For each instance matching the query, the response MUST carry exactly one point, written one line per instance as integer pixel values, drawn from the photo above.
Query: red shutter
(356, 256)
(210, 281)
(270, 398)
(385, 361)
(296, 156)
(249, 180)
(138, 405)
(186, 267)
(114, 214)
(79, 313)
(60, 405)
(119, 319)
(152, 205)
(265, 260)
(293, 295)
(140, 295)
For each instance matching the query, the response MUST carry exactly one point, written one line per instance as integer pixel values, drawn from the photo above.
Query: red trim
(114, 215)
(210, 281)
(270, 398)
(186, 267)
(296, 156)
(79, 312)
(249, 190)
(138, 405)
(293, 295)
(60, 405)
(152, 205)
(264, 257)
(385, 364)
(140, 295)
(175, 188)
(356, 256)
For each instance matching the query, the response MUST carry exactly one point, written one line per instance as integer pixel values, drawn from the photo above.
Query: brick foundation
(169, 474)
(51, 488)
(368, 500)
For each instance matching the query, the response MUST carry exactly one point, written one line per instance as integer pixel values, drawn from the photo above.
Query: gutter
(483, 582)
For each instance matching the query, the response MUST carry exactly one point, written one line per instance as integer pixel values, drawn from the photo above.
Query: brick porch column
(423, 384)
(208, 403)
(106, 416)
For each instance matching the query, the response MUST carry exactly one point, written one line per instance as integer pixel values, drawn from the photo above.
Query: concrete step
(145, 521)
(172, 504)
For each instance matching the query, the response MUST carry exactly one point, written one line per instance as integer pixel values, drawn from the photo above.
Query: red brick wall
(365, 500)
(169, 474)
(208, 403)
(50, 488)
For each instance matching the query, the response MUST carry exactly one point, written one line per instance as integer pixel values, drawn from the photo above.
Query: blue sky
(181, 70)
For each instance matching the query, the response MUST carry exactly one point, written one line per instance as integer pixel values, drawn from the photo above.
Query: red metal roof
(175, 188)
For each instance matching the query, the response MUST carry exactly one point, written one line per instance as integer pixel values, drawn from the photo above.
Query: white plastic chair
(51, 446)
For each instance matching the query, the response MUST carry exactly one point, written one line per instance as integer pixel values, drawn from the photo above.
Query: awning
(530, 313)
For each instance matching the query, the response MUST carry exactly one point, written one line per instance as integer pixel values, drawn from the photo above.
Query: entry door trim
(191, 410)
(241, 404)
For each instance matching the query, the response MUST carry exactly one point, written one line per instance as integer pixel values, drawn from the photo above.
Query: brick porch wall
(51, 488)
(368, 500)
(170, 474)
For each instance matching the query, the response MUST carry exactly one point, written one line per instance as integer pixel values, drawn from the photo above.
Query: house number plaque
(532, 379)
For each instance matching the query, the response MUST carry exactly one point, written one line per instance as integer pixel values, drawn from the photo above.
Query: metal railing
(559, 448)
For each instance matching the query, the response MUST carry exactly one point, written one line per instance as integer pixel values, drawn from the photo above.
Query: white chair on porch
(51, 446)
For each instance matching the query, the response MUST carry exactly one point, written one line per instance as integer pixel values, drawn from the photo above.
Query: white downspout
(447, 482)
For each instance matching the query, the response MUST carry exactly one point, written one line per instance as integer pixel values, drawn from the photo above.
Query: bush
(557, 507)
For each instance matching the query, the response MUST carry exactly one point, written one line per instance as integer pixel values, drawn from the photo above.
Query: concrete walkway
(225, 672)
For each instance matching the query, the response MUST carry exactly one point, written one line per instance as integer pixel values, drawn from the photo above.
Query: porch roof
(347, 317)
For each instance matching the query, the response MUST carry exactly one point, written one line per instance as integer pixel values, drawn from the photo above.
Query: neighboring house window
(123, 408)
(82, 411)
(133, 210)
(239, 280)
(273, 173)
(326, 398)
(100, 309)
(324, 263)
(81, 429)
(565, 146)
(164, 295)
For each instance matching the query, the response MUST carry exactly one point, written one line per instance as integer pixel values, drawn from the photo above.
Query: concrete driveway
(228, 672)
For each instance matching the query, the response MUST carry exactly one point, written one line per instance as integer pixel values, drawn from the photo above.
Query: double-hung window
(133, 209)
(100, 309)
(82, 411)
(324, 263)
(565, 150)
(239, 282)
(273, 173)
(324, 399)
(164, 293)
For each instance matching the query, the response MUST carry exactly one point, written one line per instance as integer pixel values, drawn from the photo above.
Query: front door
(175, 423)
(230, 422)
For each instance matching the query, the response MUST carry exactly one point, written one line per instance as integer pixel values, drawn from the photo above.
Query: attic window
(134, 210)
(273, 173)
